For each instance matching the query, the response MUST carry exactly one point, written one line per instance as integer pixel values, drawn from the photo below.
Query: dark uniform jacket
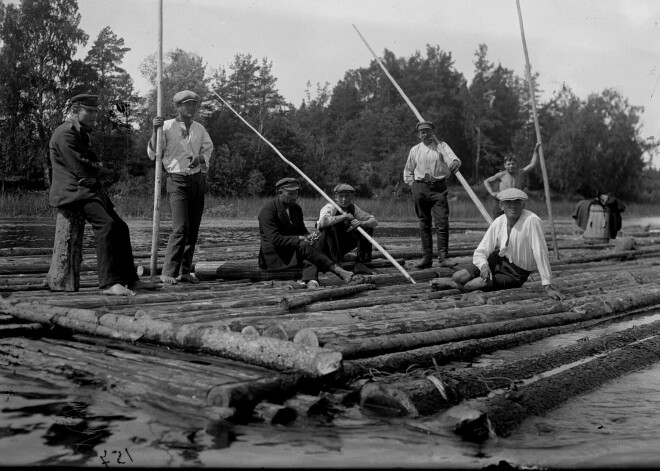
(279, 235)
(76, 168)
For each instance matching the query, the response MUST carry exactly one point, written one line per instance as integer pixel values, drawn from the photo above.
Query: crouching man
(513, 244)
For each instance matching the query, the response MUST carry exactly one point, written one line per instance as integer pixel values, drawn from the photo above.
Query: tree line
(358, 131)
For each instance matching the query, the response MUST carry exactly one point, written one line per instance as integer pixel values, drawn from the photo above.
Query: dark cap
(86, 100)
(185, 95)
(289, 184)
(425, 125)
(344, 188)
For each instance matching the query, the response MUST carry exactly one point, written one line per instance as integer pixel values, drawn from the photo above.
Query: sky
(586, 45)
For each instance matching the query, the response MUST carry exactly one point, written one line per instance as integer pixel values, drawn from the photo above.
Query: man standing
(76, 185)
(429, 164)
(338, 233)
(286, 242)
(513, 244)
(187, 150)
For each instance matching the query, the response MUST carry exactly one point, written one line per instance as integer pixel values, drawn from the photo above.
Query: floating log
(262, 351)
(608, 304)
(64, 270)
(290, 303)
(504, 412)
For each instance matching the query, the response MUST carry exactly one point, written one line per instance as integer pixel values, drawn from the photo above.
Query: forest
(358, 131)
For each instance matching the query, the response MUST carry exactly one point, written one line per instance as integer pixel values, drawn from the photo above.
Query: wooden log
(246, 394)
(471, 383)
(290, 303)
(356, 348)
(306, 337)
(504, 412)
(229, 270)
(263, 351)
(64, 271)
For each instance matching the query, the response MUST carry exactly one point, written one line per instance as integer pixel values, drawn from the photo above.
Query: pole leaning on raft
(538, 132)
(159, 150)
(330, 200)
(458, 174)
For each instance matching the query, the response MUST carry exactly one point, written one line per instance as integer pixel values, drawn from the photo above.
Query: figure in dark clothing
(76, 185)
(286, 242)
(611, 206)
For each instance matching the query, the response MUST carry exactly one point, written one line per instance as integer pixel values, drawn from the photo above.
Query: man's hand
(196, 161)
(454, 166)
(486, 274)
(158, 122)
(553, 293)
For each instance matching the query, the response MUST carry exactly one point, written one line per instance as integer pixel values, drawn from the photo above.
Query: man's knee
(462, 277)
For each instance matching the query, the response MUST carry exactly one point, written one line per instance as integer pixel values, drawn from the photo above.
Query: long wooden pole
(458, 174)
(538, 132)
(330, 200)
(159, 149)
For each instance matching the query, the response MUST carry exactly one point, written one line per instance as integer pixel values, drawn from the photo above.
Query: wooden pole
(330, 200)
(467, 187)
(159, 150)
(538, 132)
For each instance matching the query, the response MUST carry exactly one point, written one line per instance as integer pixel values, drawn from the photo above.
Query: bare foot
(343, 274)
(118, 290)
(362, 269)
(442, 283)
(188, 278)
(168, 280)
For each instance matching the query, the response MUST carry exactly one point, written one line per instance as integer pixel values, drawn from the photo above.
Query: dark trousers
(336, 241)
(506, 275)
(186, 193)
(313, 261)
(432, 209)
(114, 255)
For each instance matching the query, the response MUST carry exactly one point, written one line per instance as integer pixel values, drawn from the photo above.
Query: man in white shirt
(429, 164)
(512, 246)
(338, 233)
(187, 150)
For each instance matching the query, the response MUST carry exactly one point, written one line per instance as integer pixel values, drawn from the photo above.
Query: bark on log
(64, 271)
(504, 412)
(262, 351)
(290, 303)
(607, 305)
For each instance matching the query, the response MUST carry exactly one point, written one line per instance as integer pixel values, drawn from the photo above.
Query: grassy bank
(35, 204)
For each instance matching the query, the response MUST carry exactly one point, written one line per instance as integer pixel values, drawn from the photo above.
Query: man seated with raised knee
(338, 233)
(513, 245)
(286, 242)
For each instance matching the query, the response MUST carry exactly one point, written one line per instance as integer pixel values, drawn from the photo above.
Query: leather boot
(427, 248)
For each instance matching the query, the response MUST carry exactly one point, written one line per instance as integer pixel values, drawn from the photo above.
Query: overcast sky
(587, 45)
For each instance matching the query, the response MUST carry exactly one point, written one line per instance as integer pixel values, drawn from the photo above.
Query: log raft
(248, 341)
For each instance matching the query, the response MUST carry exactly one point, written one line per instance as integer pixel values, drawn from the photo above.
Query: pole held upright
(159, 150)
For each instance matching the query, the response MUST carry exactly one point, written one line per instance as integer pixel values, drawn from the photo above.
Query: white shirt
(178, 148)
(428, 163)
(328, 212)
(525, 248)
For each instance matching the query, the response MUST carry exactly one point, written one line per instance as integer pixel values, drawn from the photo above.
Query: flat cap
(289, 184)
(185, 95)
(86, 99)
(343, 187)
(511, 194)
(425, 125)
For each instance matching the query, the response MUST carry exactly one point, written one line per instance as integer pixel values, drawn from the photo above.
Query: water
(51, 421)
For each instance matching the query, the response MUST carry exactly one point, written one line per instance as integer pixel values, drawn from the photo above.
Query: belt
(431, 183)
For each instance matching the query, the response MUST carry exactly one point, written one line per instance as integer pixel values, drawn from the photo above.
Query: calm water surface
(72, 424)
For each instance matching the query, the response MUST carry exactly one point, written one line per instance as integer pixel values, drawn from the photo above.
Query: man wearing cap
(512, 246)
(338, 234)
(429, 164)
(187, 150)
(76, 185)
(286, 242)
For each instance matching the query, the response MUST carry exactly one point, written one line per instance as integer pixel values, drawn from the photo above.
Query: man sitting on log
(513, 244)
(338, 233)
(76, 185)
(286, 242)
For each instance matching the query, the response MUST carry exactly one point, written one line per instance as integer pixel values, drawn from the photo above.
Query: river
(46, 424)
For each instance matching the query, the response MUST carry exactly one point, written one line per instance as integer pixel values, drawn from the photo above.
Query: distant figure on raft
(599, 218)
(286, 242)
(338, 233)
(76, 185)
(513, 244)
(510, 177)
(187, 150)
